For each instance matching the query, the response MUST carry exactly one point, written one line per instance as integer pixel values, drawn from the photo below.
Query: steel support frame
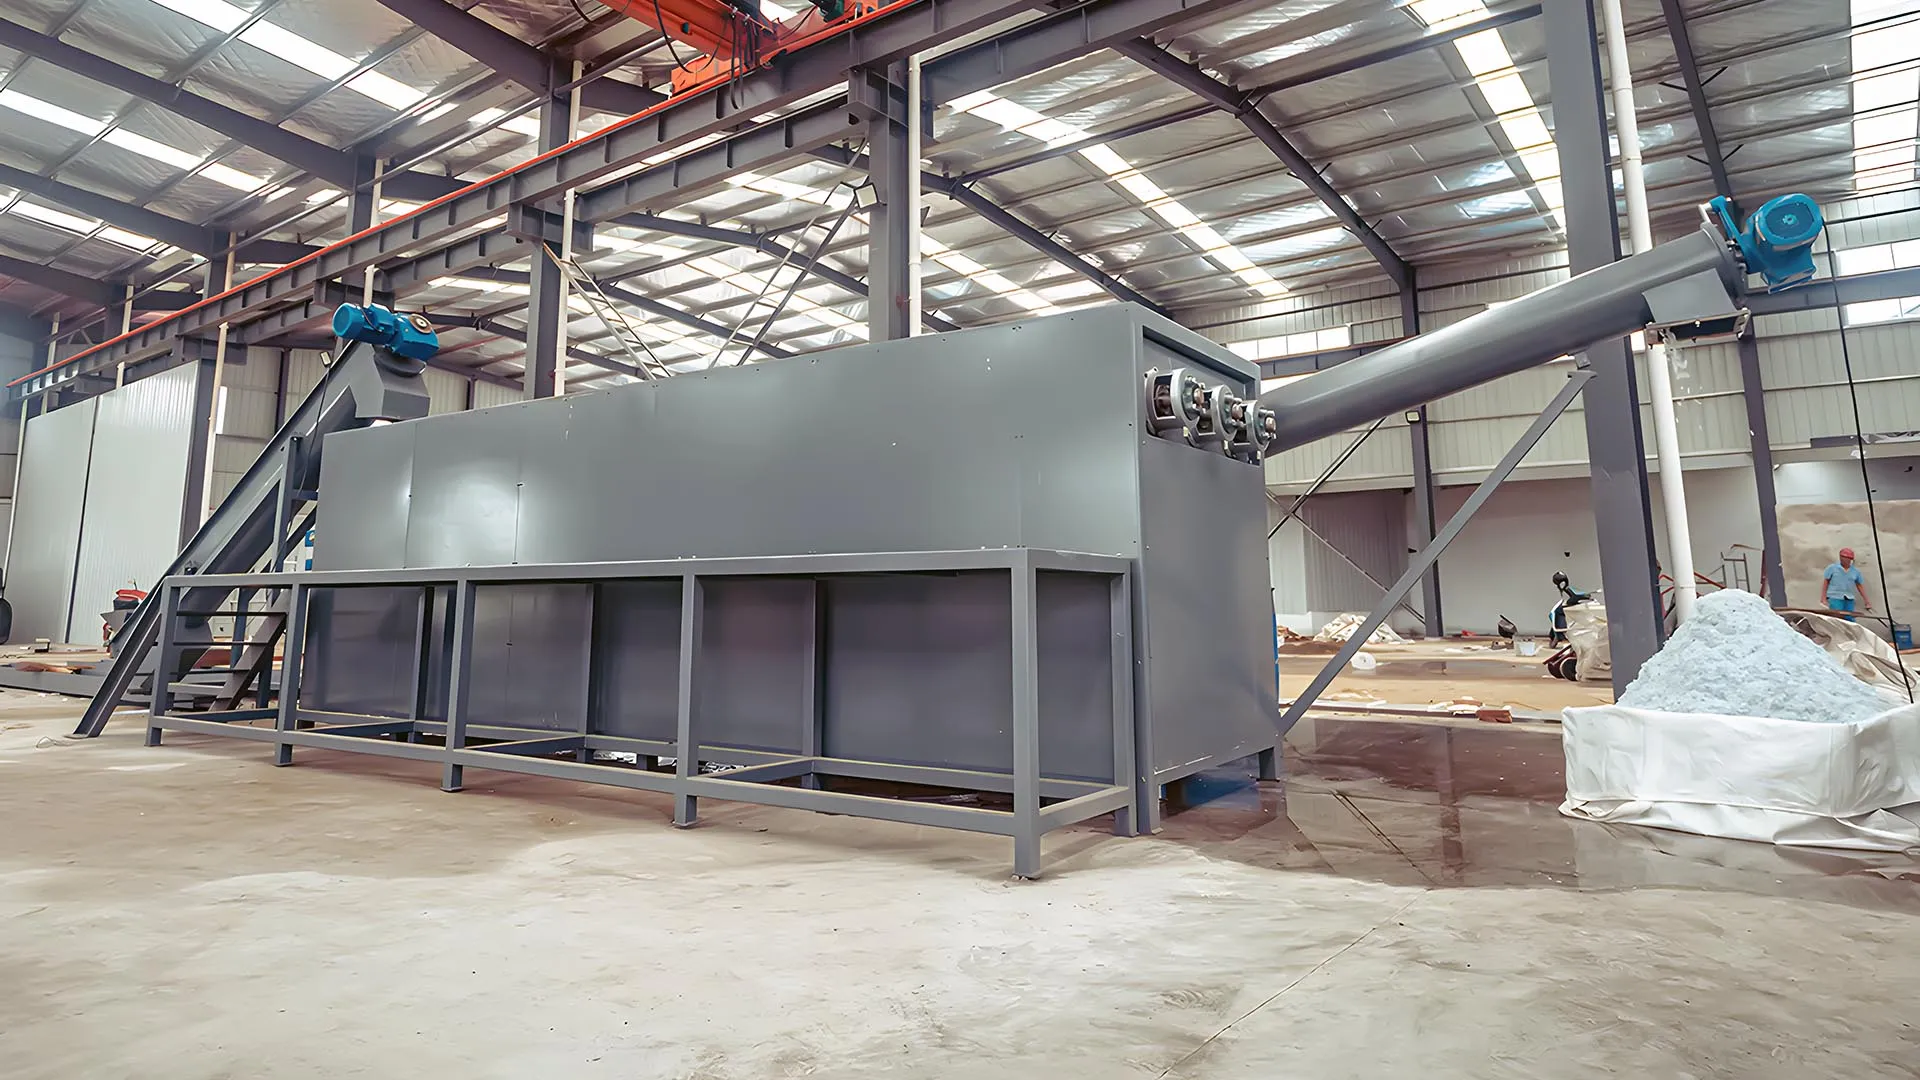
(1622, 508)
(1423, 493)
(1715, 161)
(546, 304)
(518, 61)
(888, 219)
(532, 751)
(1753, 392)
(1299, 76)
(1246, 109)
(336, 167)
(877, 40)
(1579, 379)
(1061, 36)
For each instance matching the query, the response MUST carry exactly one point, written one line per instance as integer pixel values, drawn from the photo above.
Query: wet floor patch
(1455, 805)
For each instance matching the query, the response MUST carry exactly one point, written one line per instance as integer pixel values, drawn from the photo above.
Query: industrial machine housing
(858, 522)
(927, 560)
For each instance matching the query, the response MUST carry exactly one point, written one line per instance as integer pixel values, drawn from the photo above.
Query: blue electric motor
(1778, 241)
(410, 336)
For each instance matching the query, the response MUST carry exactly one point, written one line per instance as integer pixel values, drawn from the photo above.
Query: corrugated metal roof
(1412, 142)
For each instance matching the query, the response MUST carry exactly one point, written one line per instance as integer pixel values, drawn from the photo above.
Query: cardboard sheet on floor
(1854, 786)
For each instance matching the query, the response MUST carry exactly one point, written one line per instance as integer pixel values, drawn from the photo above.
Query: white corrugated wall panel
(304, 369)
(1299, 312)
(247, 415)
(130, 530)
(1386, 455)
(46, 539)
(1806, 378)
(446, 392)
(486, 395)
(1368, 527)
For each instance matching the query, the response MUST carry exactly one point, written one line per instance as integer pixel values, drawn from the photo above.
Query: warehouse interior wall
(102, 487)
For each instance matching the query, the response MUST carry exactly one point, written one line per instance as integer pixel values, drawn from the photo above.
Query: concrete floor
(1408, 903)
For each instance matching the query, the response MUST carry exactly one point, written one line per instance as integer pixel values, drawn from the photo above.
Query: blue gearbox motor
(1778, 241)
(410, 336)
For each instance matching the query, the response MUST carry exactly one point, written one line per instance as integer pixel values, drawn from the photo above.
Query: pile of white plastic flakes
(1737, 657)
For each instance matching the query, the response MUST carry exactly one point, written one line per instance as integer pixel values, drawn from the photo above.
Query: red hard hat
(1846, 553)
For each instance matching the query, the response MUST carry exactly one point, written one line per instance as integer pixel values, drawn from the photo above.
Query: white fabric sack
(1856, 648)
(1587, 633)
(1854, 786)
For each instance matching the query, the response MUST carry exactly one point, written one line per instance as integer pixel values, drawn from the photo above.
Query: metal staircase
(632, 345)
(375, 375)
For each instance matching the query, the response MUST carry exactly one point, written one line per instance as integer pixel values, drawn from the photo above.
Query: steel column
(546, 306)
(887, 230)
(1622, 509)
(1753, 391)
(1423, 496)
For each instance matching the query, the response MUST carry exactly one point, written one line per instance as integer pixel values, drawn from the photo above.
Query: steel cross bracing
(877, 39)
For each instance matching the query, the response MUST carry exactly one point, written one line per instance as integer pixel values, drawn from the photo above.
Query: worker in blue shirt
(1846, 586)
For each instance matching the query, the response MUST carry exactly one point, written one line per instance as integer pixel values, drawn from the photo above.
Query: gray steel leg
(1418, 565)
(586, 671)
(163, 661)
(294, 645)
(459, 675)
(1126, 820)
(686, 807)
(1026, 721)
(422, 628)
(810, 695)
(1269, 763)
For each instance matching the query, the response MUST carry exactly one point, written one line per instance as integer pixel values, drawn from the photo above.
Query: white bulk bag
(1853, 785)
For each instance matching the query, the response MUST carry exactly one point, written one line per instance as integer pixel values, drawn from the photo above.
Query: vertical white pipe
(208, 501)
(126, 327)
(1666, 432)
(912, 199)
(566, 244)
(373, 218)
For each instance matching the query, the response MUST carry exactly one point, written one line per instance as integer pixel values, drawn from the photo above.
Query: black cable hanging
(1860, 447)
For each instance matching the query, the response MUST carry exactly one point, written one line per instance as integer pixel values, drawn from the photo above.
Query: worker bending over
(1846, 586)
